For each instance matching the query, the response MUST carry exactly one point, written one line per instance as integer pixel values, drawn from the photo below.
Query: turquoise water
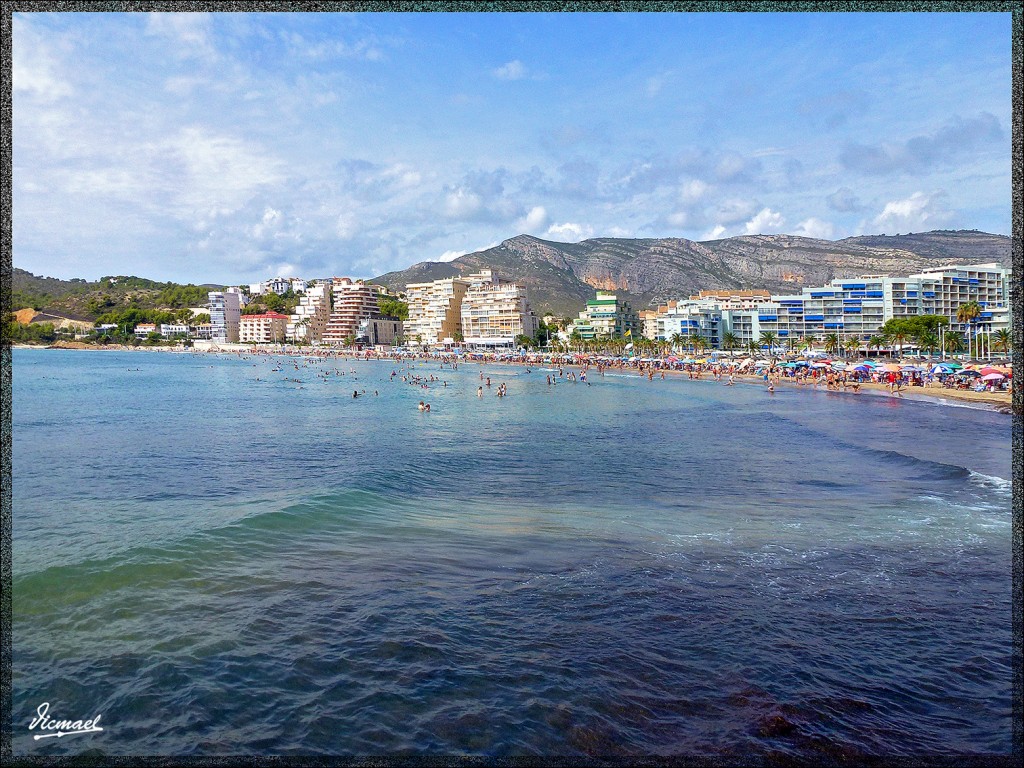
(219, 561)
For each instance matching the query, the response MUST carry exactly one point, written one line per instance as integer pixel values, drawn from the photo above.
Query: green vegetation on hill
(272, 302)
(391, 307)
(109, 297)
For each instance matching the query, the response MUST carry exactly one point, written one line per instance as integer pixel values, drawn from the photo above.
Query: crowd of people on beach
(825, 374)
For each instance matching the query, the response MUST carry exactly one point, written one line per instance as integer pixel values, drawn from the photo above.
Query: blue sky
(234, 147)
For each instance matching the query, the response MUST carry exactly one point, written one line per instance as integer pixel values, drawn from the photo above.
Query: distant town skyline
(228, 148)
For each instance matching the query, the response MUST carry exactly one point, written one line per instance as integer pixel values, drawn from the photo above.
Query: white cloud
(765, 222)
(183, 86)
(816, 228)
(346, 225)
(462, 204)
(452, 255)
(570, 232)
(513, 70)
(402, 176)
(189, 31)
(36, 69)
(655, 84)
(734, 211)
(534, 220)
(692, 191)
(915, 213)
(714, 233)
(268, 224)
(618, 232)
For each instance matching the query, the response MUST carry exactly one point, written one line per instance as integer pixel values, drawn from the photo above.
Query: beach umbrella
(953, 365)
(989, 369)
(993, 377)
(968, 373)
(818, 365)
(940, 369)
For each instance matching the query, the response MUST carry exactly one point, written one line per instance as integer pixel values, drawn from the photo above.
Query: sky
(229, 148)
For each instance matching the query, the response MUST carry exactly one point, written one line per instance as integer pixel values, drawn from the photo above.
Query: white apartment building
(173, 329)
(607, 316)
(353, 301)
(435, 310)
(268, 328)
(225, 312)
(731, 298)
(648, 323)
(276, 285)
(693, 318)
(859, 307)
(142, 330)
(312, 314)
(494, 313)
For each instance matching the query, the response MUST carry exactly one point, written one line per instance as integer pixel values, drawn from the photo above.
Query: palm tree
(753, 348)
(699, 343)
(768, 339)
(853, 345)
(1003, 341)
(877, 341)
(967, 313)
(832, 343)
(954, 343)
(808, 341)
(898, 338)
(677, 341)
(791, 343)
(927, 340)
(729, 341)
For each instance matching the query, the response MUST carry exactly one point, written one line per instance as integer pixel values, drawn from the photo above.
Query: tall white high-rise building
(353, 302)
(435, 310)
(225, 312)
(494, 313)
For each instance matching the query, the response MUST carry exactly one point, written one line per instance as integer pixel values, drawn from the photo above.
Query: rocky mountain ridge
(561, 277)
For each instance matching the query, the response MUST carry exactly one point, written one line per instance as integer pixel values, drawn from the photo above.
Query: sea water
(218, 557)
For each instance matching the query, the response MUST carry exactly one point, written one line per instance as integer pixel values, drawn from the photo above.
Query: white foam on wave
(990, 481)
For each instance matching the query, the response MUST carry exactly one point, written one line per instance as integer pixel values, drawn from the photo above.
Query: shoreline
(1001, 402)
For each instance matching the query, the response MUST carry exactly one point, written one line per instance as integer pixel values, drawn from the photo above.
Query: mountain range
(561, 277)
